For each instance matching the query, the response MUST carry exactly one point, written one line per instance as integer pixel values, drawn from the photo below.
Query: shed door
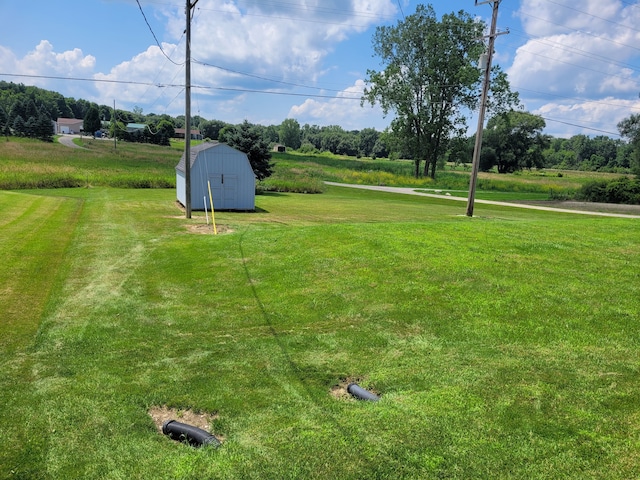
(230, 191)
(216, 190)
(224, 190)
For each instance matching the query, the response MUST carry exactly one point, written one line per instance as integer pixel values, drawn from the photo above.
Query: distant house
(227, 170)
(279, 148)
(180, 133)
(135, 127)
(69, 126)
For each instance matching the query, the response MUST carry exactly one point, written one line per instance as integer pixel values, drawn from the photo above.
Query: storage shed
(233, 183)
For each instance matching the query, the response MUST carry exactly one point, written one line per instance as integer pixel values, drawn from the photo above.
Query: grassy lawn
(503, 346)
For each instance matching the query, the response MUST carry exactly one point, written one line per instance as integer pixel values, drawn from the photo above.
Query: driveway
(67, 140)
(412, 191)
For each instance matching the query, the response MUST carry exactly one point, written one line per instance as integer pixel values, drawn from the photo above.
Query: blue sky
(575, 63)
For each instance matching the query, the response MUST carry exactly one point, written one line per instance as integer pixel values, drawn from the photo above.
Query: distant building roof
(69, 121)
(182, 130)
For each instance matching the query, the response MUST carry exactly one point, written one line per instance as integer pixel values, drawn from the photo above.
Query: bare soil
(161, 414)
(339, 391)
(204, 229)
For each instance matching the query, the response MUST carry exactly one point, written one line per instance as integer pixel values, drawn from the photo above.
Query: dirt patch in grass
(339, 391)
(164, 413)
(205, 229)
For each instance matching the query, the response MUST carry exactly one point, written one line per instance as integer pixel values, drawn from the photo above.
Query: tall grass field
(501, 346)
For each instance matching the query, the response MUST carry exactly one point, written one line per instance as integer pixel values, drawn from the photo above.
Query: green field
(502, 346)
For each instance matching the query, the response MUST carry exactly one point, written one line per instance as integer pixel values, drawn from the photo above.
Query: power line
(173, 85)
(594, 16)
(297, 19)
(269, 92)
(317, 9)
(580, 126)
(580, 99)
(129, 82)
(291, 6)
(599, 37)
(259, 77)
(154, 35)
(574, 50)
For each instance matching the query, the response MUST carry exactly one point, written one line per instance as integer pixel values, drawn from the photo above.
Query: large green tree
(629, 128)
(431, 80)
(290, 134)
(367, 141)
(211, 128)
(513, 141)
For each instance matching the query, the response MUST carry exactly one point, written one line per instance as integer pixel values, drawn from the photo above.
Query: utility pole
(187, 102)
(115, 126)
(483, 103)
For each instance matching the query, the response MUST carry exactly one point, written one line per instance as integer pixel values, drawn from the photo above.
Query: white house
(69, 125)
(227, 170)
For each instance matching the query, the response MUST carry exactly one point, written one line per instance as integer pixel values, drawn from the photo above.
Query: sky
(577, 64)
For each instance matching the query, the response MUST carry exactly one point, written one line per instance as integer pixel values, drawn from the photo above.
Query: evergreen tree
(19, 126)
(92, 121)
(248, 139)
(43, 128)
(4, 123)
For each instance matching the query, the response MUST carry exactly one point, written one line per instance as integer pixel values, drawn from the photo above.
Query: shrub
(621, 190)
(308, 148)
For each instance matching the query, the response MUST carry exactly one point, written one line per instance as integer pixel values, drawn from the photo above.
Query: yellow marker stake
(213, 218)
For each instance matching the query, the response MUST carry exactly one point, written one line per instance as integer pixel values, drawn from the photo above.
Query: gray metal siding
(230, 174)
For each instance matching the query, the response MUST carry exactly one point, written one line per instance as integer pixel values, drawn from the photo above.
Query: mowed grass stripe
(494, 342)
(35, 233)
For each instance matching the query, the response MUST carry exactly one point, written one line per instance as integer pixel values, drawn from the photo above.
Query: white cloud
(599, 117)
(343, 110)
(280, 45)
(277, 46)
(572, 63)
(543, 18)
(287, 41)
(7, 60)
(42, 63)
(577, 64)
(147, 76)
(45, 61)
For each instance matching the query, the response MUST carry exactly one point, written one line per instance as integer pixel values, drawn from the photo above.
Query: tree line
(513, 140)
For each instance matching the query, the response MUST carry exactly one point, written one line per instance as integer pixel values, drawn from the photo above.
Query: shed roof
(195, 150)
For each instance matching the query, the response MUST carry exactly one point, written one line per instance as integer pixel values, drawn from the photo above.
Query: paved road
(412, 191)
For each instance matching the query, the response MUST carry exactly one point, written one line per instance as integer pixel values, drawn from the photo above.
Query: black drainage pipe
(194, 436)
(361, 394)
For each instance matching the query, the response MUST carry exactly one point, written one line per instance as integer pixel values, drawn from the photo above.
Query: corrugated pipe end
(362, 394)
(194, 436)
